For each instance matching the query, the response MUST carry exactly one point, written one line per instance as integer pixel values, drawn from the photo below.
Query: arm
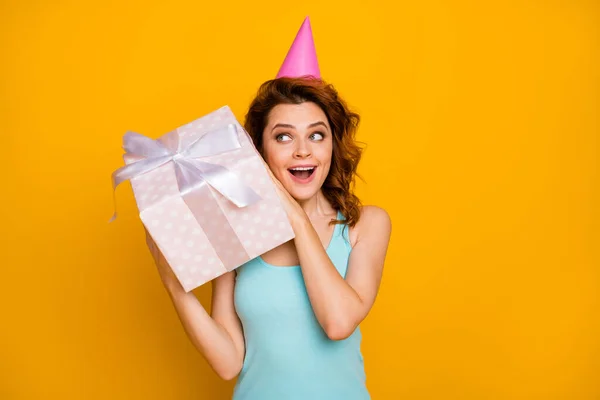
(218, 337)
(340, 305)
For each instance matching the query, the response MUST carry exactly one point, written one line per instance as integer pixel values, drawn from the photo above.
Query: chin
(303, 195)
(301, 192)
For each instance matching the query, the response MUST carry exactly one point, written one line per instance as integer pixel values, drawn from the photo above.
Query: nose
(302, 150)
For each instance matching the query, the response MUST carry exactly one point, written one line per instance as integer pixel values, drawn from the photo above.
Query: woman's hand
(164, 270)
(291, 206)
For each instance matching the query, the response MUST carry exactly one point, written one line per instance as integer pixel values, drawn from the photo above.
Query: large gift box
(205, 196)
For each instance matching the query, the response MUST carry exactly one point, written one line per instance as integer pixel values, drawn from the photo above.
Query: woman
(288, 322)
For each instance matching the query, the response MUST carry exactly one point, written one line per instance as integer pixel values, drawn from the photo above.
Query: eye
(317, 136)
(283, 137)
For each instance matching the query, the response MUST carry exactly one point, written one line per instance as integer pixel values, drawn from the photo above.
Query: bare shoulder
(374, 215)
(373, 220)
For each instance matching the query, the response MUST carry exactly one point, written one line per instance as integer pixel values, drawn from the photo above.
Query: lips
(302, 173)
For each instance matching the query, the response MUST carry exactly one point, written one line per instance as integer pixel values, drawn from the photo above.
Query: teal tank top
(288, 355)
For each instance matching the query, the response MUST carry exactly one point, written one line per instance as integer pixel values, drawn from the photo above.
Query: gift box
(205, 196)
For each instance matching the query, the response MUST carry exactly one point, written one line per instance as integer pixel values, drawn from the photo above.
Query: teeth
(302, 168)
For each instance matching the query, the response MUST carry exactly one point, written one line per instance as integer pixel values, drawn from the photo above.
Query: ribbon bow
(192, 174)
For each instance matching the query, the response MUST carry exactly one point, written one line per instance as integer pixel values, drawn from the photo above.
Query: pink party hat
(301, 59)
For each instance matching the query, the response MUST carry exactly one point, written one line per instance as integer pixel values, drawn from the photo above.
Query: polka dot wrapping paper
(216, 236)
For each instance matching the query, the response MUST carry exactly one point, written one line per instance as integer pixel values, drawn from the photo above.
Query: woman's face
(297, 146)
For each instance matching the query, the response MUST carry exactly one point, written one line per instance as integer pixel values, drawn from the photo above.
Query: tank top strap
(341, 235)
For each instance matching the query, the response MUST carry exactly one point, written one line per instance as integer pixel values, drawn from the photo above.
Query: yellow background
(481, 120)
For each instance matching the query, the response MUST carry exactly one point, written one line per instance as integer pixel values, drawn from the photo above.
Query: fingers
(269, 171)
(152, 246)
(148, 237)
(149, 240)
(276, 181)
(165, 272)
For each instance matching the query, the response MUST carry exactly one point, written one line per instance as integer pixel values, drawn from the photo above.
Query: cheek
(275, 159)
(327, 158)
(267, 153)
(325, 154)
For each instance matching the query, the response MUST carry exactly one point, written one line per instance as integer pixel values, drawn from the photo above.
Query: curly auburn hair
(339, 185)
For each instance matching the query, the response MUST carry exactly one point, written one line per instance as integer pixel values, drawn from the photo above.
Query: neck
(317, 206)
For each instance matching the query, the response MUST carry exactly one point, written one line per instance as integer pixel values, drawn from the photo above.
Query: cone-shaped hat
(301, 58)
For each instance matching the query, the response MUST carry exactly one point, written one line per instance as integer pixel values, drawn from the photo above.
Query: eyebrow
(293, 127)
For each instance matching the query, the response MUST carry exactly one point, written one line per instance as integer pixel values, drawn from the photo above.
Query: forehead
(299, 115)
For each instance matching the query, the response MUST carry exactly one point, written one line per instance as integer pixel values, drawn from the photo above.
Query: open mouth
(302, 173)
